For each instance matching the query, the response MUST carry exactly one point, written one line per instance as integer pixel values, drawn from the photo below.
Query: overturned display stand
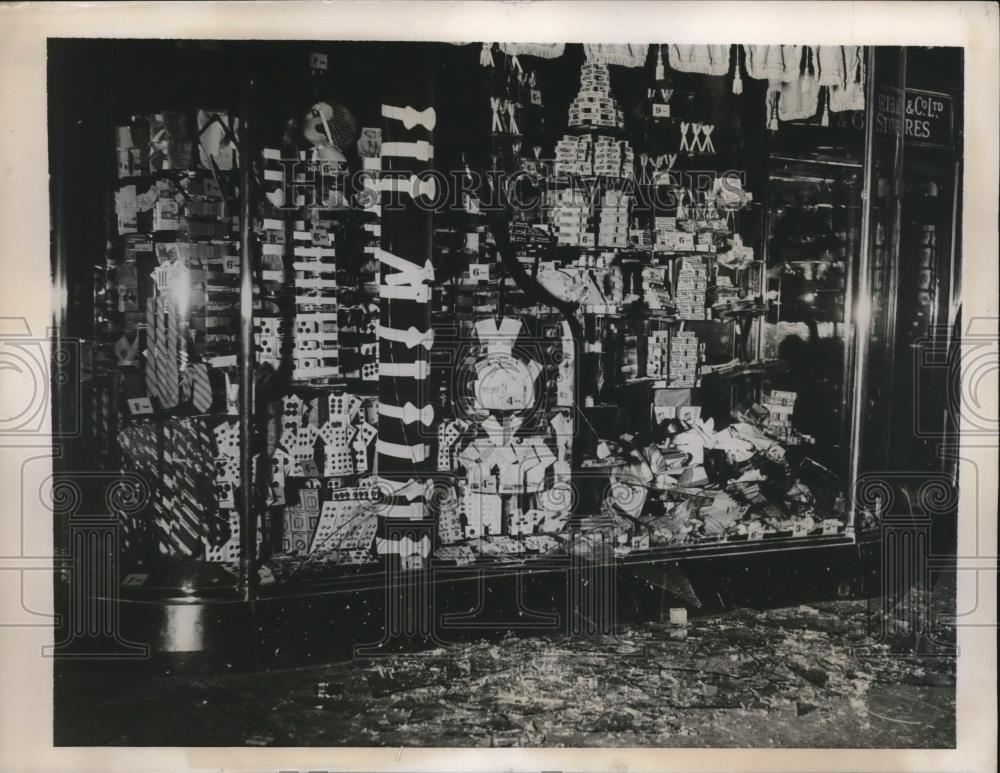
(341, 412)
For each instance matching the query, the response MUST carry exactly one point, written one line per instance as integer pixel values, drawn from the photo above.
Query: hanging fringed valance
(799, 78)
(701, 59)
(541, 50)
(623, 55)
(850, 94)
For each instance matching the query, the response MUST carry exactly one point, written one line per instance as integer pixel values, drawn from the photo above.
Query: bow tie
(409, 413)
(411, 336)
(410, 116)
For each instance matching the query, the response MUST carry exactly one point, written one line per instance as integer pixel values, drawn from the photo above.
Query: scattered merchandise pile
(738, 482)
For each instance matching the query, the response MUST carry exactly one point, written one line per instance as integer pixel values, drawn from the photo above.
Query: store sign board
(928, 117)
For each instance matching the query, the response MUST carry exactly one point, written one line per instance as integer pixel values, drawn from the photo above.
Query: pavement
(840, 674)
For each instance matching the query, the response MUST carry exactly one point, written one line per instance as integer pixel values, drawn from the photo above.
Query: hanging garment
(830, 65)
(624, 55)
(765, 62)
(799, 99)
(791, 57)
(795, 96)
(541, 50)
(793, 80)
(851, 94)
(701, 59)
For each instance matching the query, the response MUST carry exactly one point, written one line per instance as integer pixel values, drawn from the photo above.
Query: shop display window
(569, 298)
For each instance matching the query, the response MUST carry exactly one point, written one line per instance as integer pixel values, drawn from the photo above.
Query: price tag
(231, 264)
(755, 531)
(321, 237)
(318, 61)
(536, 97)
(479, 272)
(798, 528)
(310, 469)
(139, 406)
(661, 110)
(831, 527)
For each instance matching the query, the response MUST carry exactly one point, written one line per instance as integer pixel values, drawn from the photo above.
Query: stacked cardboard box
(658, 353)
(574, 156)
(614, 219)
(690, 288)
(662, 226)
(668, 237)
(613, 158)
(683, 360)
(594, 105)
(570, 215)
(704, 241)
(676, 241)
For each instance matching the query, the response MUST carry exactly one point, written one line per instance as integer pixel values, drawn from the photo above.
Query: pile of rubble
(746, 678)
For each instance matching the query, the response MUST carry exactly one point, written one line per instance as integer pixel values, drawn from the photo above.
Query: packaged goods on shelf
(656, 287)
(690, 289)
(594, 105)
(614, 219)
